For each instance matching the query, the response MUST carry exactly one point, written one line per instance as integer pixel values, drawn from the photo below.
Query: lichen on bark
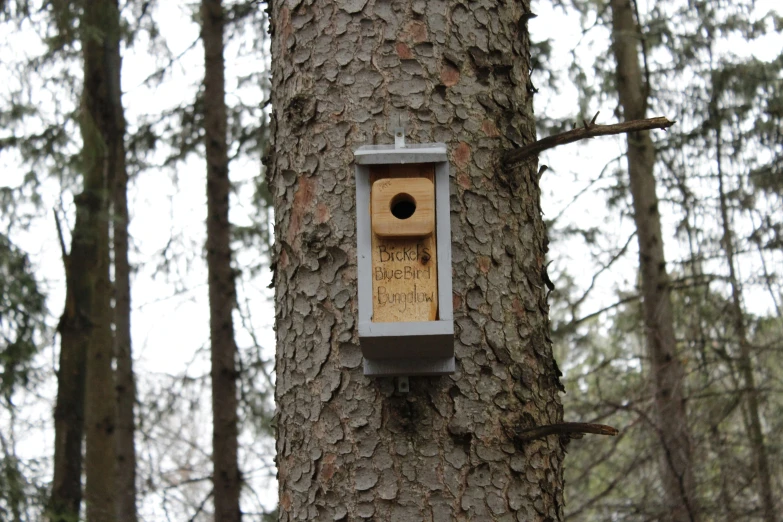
(348, 446)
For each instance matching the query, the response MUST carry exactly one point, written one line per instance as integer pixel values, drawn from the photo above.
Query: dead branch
(60, 236)
(590, 130)
(572, 429)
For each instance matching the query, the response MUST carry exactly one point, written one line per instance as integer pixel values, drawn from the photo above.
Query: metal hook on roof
(399, 134)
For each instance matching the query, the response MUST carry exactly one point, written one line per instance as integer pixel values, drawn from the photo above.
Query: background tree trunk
(349, 447)
(100, 43)
(758, 447)
(671, 428)
(125, 380)
(222, 294)
(74, 329)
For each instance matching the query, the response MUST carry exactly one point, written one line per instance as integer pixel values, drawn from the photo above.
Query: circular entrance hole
(402, 206)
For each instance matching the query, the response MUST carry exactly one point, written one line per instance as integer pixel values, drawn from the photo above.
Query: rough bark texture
(349, 447)
(100, 134)
(124, 378)
(758, 446)
(226, 477)
(676, 467)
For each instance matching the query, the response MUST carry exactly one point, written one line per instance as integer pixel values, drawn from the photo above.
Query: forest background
(714, 67)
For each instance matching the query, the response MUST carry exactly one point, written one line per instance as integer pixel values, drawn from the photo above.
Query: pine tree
(691, 74)
(667, 375)
(102, 154)
(222, 292)
(348, 446)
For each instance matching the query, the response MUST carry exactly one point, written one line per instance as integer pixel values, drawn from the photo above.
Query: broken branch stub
(590, 130)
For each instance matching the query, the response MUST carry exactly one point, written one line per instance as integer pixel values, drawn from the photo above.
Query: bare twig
(620, 253)
(573, 429)
(590, 130)
(158, 73)
(63, 249)
(201, 506)
(576, 322)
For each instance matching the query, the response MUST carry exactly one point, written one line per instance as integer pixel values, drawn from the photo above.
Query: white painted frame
(409, 348)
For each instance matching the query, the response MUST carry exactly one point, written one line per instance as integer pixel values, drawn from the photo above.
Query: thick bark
(348, 446)
(100, 134)
(758, 446)
(124, 377)
(676, 463)
(226, 476)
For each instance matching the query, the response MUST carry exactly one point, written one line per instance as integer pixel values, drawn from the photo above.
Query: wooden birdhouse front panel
(404, 246)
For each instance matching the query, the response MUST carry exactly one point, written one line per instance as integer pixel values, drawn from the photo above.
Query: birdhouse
(406, 324)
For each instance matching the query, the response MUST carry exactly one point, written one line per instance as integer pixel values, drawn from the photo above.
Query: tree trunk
(124, 377)
(222, 294)
(100, 133)
(74, 329)
(348, 446)
(676, 466)
(758, 447)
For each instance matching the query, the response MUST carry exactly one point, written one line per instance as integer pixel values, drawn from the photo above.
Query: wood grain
(419, 191)
(404, 269)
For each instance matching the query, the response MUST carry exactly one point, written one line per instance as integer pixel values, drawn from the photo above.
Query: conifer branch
(590, 130)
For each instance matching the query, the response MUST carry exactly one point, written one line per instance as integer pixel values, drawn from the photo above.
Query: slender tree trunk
(124, 377)
(74, 329)
(725, 498)
(85, 325)
(349, 446)
(100, 133)
(676, 466)
(755, 433)
(222, 293)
